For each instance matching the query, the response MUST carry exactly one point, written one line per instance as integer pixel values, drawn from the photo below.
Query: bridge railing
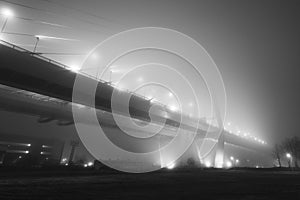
(38, 55)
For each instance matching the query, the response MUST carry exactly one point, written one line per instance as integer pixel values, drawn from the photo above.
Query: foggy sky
(255, 44)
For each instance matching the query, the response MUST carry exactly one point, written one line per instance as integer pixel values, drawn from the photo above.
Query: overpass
(35, 85)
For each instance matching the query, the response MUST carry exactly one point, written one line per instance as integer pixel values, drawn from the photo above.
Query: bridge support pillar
(219, 156)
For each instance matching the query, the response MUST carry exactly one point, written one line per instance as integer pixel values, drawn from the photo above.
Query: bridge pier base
(219, 156)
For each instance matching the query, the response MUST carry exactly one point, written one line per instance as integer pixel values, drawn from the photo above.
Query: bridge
(35, 85)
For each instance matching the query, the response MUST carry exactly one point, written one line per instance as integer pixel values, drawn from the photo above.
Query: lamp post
(110, 75)
(289, 157)
(7, 14)
(36, 43)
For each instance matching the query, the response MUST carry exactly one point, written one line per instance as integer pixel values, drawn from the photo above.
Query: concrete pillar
(219, 156)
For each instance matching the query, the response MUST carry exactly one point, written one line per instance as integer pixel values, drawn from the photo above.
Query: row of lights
(229, 164)
(175, 108)
(65, 162)
(245, 135)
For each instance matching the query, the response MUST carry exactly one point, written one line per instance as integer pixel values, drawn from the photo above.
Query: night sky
(255, 44)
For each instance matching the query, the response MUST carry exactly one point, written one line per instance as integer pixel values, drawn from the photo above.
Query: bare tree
(277, 153)
(292, 146)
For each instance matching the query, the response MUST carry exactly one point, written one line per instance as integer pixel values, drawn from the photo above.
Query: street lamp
(171, 166)
(7, 13)
(74, 68)
(36, 43)
(228, 164)
(289, 157)
(207, 164)
(111, 71)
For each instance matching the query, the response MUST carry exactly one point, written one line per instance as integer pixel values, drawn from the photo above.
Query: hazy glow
(140, 79)
(74, 68)
(171, 166)
(94, 56)
(152, 100)
(7, 12)
(288, 155)
(219, 165)
(228, 164)
(173, 108)
(207, 164)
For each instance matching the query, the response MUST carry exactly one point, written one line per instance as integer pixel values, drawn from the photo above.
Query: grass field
(176, 184)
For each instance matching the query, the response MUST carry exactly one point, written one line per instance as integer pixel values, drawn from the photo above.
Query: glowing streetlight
(74, 68)
(153, 100)
(207, 164)
(173, 108)
(171, 166)
(140, 79)
(7, 13)
(228, 164)
(231, 158)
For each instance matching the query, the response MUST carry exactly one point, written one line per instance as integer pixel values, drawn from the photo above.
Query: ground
(169, 184)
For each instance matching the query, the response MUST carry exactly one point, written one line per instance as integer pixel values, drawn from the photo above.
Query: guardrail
(38, 55)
